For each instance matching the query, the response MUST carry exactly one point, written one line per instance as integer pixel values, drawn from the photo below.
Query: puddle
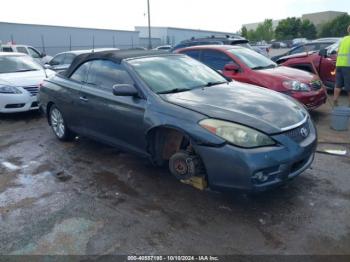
(333, 149)
(110, 179)
(10, 166)
(69, 237)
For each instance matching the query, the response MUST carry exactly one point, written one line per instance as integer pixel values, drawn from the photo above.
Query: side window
(215, 59)
(193, 53)
(22, 49)
(33, 53)
(296, 50)
(68, 59)
(105, 74)
(57, 60)
(7, 49)
(80, 74)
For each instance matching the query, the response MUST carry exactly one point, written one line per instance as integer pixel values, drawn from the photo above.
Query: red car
(247, 66)
(322, 62)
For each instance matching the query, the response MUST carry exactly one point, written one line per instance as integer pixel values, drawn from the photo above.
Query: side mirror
(47, 66)
(125, 90)
(231, 67)
(42, 55)
(323, 52)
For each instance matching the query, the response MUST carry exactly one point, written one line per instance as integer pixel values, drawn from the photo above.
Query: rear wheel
(58, 125)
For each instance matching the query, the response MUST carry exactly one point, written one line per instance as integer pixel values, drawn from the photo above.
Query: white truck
(25, 49)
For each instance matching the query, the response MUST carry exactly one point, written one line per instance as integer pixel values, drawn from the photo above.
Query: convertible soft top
(113, 55)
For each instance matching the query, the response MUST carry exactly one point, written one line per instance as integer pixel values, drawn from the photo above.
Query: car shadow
(22, 116)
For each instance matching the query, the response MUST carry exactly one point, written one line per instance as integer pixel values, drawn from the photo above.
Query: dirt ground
(87, 198)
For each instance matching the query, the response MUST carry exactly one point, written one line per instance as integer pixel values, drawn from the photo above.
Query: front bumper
(311, 100)
(229, 167)
(13, 103)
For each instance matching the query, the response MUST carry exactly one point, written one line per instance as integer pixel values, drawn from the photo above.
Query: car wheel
(58, 125)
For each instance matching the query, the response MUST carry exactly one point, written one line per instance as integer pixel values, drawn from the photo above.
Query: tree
(264, 31)
(308, 29)
(244, 32)
(335, 28)
(288, 28)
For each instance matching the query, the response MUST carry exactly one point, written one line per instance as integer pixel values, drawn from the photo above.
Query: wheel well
(48, 108)
(163, 142)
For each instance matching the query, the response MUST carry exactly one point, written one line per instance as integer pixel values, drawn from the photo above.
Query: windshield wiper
(26, 70)
(264, 67)
(175, 90)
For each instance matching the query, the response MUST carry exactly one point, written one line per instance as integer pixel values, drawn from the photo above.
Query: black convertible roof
(116, 56)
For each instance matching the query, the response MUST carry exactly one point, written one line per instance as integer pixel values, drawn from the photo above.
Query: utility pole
(149, 26)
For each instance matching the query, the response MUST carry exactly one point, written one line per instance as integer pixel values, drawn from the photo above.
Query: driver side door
(116, 120)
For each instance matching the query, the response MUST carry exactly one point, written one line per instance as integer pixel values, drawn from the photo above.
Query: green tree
(244, 32)
(265, 31)
(308, 29)
(288, 28)
(335, 28)
(251, 36)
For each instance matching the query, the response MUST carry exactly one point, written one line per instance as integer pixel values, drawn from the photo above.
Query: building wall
(322, 17)
(155, 42)
(172, 35)
(55, 39)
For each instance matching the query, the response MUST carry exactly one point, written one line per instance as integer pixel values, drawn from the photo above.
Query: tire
(58, 125)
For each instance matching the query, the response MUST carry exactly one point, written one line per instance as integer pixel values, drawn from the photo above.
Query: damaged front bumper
(229, 167)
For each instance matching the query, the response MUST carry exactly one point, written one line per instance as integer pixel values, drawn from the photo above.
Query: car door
(117, 120)
(68, 97)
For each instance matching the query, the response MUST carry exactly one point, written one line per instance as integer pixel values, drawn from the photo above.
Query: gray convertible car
(174, 110)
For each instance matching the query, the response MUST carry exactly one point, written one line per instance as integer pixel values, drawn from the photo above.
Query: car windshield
(14, 64)
(175, 73)
(252, 59)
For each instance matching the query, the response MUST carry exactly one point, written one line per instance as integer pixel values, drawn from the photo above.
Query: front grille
(298, 134)
(12, 106)
(33, 90)
(316, 85)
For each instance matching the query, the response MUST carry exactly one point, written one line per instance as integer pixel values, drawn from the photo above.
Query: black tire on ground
(58, 125)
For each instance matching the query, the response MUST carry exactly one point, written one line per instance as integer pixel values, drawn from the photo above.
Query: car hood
(23, 78)
(253, 106)
(288, 73)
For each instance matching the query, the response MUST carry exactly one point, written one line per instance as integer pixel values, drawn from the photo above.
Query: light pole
(149, 26)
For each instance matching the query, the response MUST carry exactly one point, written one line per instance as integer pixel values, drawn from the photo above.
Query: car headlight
(236, 134)
(296, 85)
(9, 90)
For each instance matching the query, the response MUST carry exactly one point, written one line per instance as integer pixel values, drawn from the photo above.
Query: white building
(173, 35)
(55, 39)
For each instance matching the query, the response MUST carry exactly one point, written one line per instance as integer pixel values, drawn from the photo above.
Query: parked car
(163, 47)
(298, 41)
(321, 63)
(214, 40)
(20, 77)
(246, 66)
(306, 47)
(173, 109)
(62, 61)
(278, 45)
(41, 58)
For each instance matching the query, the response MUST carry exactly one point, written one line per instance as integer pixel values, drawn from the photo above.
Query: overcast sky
(220, 15)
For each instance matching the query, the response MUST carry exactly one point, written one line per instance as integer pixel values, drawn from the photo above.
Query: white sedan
(20, 77)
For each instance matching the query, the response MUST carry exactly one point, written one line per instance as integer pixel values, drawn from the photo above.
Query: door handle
(84, 99)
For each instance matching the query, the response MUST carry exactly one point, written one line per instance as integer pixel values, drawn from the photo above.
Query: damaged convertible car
(175, 110)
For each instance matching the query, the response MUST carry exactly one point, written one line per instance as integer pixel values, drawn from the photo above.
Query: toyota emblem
(304, 132)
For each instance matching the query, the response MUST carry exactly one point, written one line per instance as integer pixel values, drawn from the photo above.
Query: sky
(218, 15)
